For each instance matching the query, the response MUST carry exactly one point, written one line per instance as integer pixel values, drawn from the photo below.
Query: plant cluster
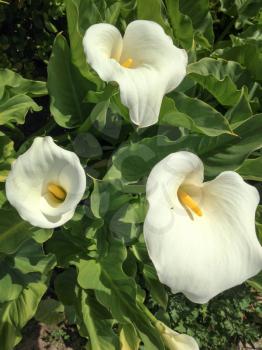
(82, 235)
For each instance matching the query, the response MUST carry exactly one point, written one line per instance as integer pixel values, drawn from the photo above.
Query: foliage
(27, 32)
(101, 277)
(225, 320)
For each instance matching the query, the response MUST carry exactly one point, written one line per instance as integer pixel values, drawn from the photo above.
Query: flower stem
(148, 313)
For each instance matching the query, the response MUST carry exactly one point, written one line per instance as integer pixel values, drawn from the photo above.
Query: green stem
(252, 91)
(152, 318)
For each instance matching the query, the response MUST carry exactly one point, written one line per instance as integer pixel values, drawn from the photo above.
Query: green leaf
(181, 24)
(193, 114)
(67, 87)
(14, 109)
(78, 21)
(152, 12)
(117, 292)
(7, 154)
(219, 77)
(16, 85)
(251, 169)
(66, 245)
(225, 152)
(228, 152)
(156, 288)
(256, 282)
(246, 9)
(126, 221)
(94, 322)
(128, 337)
(198, 12)
(14, 231)
(106, 199)
(28, 271)
(97, 116)
(64, 286)
(248, 55)
(15, 314)
(252, 35)
(50, 311)
(11, 283)
(87, 146)
(240, 112)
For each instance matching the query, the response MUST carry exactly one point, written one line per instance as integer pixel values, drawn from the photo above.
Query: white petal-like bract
(46, 183)
(175, 341)
(145, 63)
(205, 254)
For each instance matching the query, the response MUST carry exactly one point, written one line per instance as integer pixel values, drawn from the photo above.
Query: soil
(38, 336)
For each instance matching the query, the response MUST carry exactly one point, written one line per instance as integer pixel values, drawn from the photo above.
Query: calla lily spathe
(200, 235)
(46, 183)
(174, 340)
(145, 63)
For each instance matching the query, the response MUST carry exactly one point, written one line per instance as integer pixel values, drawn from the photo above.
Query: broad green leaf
(225, 152)
(248, 55)
(97, 116)
(219, 77)
(181, 24)
(80, 15)
(193, 114)
(241, 10)
(240, 112)
(87, 146)
(152, 12)
(251, 169)
(14, 109)
(228, 152)
(29, 270)
(41, 235)
(94, 322)
(14, 231)
(155, 287)
(117, 292)
(256, 282)
(16, 85)
(64, 286)
(198, 12)
(126, 222)
(66, 245)
(7, 154)
(50, 311)
(246, 9)
(16, 313)
(93, 319)
(128, 337)
(11, 282)
(93, 270)
(106, 199)
(66, 86)
(252, 35)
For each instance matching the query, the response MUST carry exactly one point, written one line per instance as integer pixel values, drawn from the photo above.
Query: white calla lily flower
(145, 63)
(200, 235)
(174, 340)
(46, 183)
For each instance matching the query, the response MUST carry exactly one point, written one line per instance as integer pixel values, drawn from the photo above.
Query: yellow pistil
(188, 202)
(127, 63)
(57, 191)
